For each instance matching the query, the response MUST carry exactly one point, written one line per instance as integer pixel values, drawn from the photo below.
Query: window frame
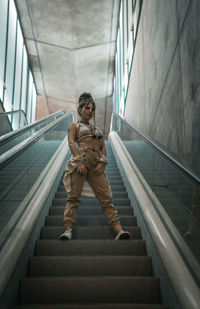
(14, 72)
(125, 47)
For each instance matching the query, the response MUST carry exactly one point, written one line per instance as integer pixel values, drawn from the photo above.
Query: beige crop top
(90, 130)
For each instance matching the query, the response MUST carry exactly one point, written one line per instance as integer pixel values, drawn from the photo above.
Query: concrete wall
(103, 110)
(164, 89)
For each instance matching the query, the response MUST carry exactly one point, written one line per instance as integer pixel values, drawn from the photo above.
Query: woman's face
(87, 112)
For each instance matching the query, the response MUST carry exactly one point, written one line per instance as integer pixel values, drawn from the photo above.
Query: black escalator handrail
(154, 145)
(14, 112)
(11, 154)
(9, 135)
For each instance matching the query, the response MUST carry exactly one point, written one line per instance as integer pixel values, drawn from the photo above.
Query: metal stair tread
(96, 265)
(90, 247)
(91, 232)
(70, 289)
(122, 210)
(85, 220)
(90, 305)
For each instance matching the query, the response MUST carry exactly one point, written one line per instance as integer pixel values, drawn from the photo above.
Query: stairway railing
(13, 138)
(26, 176)
(176, 189)
(116, 125)
(12, 120)
(184, 281)
(11, 113)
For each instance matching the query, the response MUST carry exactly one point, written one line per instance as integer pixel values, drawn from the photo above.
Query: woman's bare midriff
(93, 143)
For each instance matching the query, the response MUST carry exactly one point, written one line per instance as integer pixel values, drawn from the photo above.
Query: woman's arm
(72, 138)
(99, 169)
(103, 148)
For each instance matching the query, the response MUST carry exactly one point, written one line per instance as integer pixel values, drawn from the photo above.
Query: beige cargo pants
(99, 184)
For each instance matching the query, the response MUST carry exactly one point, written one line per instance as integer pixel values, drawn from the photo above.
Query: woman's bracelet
(103, 159)
(77, 159)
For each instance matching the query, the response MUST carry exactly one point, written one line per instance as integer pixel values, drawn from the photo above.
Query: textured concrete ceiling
(71, 46)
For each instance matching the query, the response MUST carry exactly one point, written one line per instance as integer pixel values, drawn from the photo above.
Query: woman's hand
(99, 169)
(81, 169)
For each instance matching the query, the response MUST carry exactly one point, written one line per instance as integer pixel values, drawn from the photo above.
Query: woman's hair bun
(85, 96)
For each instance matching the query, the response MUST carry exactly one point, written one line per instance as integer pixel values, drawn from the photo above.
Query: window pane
(34, 101)
(136, 16)
(3, 31)
(126, 80)
(11, 48)
(7, 101)
(121, 107)
(121, 43)
(1, 90)
(125, 25)
(15, 121)
(130, 10)
(18, 68)
(131, 42)
(29, 98)
(24, 80)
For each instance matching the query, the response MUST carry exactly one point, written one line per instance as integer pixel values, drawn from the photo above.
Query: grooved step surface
(119, 194)
(59, 210)
(90, 289)
(88, 232)
(87, 202)
(118, 187)
(94, 305)
(90, 220)
(92, 265)
(91, 247)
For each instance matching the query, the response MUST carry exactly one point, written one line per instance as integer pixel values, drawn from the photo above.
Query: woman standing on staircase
(88, 162)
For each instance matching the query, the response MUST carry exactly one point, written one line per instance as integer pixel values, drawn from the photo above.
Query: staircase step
(97, 306)
(122, 210)
(119, 187)
(113, 169)
(90, 247)
(90, 220)
(111, 161)
(90, 266)
(88, 232)
(113, 173)
(122, 194)
(114, 177)
(90, 289)
(92, 201)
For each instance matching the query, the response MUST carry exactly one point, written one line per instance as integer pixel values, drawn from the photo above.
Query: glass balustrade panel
(20, 178)
(177, 191)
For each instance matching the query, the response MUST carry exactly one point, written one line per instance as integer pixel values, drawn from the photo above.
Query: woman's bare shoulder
(73, 125)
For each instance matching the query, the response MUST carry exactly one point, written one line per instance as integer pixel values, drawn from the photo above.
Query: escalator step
(90, 247)
(90, 265)
(117, 194)
(122, 210)
(116, 202)
(88, 232)
(114, 188)
(96, 306)
(90, 220)
(90, 289)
